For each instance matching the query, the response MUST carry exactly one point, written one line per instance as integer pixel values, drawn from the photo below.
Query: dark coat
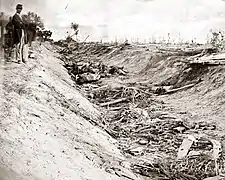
(18, 26)
(10, 33)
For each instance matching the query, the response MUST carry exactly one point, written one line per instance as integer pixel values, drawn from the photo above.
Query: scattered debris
(169, 90)
(215, 178)
(31, 55)
(113, 102)
(90, 72)
(180, 89)
(87, 78)
(217, 150)
(142, 125)
(185, 146)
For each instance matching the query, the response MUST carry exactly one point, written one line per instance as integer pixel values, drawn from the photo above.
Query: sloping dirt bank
(152, 132)
(45, 129)
(203, 102)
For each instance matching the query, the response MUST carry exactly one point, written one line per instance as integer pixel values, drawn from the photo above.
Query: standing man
(9, 38)
(19, 34)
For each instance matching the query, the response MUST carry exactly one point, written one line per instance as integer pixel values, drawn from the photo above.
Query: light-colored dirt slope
(45, 129)
(146, 64)
(203, 102)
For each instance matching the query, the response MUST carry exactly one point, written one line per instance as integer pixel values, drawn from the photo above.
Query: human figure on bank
(19, 37)
(9, 37)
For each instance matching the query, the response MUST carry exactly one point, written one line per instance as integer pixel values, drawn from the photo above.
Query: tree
(75, 27)
(217, 39)
(32, 17)
(35, 27)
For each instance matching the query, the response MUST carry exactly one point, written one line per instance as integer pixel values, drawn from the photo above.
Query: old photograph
(112, 90)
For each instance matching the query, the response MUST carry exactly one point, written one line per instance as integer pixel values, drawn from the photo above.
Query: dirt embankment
(46, 131)
(150, 129)
(150, 67)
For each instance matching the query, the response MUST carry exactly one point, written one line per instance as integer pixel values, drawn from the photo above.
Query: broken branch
(113, 102)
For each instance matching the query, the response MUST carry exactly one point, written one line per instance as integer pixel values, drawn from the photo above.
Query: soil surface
(45, 129)
(53, 128)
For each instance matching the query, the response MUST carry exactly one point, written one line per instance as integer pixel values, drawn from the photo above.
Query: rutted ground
(46, 132)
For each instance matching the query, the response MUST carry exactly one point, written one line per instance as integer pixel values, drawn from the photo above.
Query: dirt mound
(46, 126)
(153, 66)
(88, 51)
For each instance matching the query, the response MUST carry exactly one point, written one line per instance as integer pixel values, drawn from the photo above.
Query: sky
(129, 19)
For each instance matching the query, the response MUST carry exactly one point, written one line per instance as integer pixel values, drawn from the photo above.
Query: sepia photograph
(112, 90)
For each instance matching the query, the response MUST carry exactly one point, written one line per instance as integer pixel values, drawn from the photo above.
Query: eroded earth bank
(104, 111)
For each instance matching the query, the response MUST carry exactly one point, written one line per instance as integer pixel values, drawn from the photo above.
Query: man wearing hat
(19, 36)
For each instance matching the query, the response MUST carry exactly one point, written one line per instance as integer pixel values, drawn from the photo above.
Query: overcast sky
(130, 19)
